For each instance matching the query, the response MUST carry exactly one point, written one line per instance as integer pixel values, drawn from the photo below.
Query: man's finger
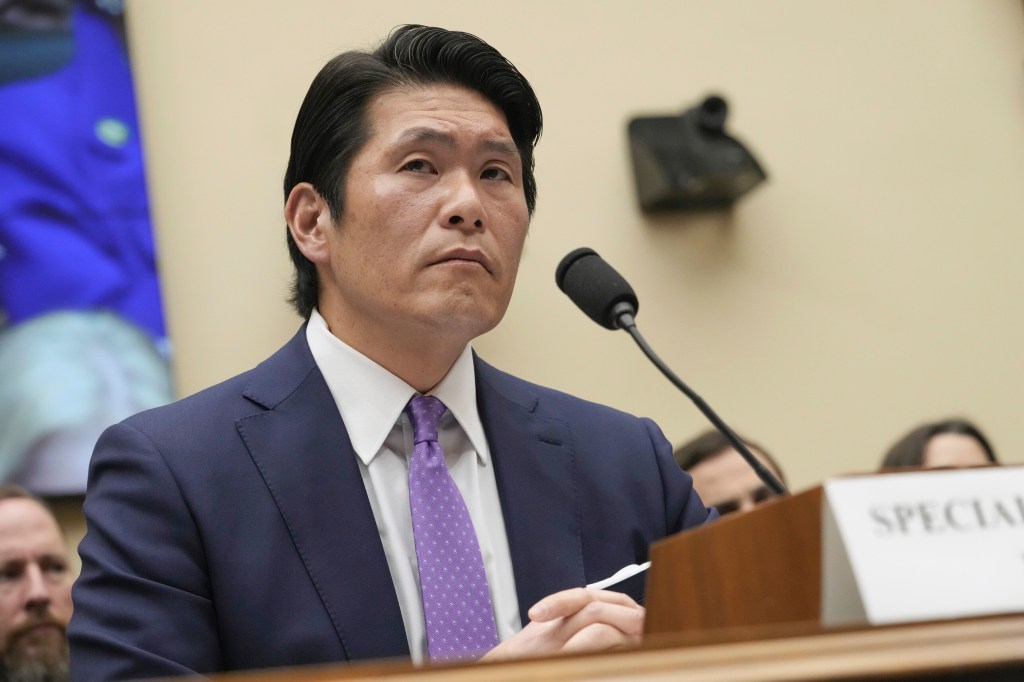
(568, 602)
(627, 619)
(599, 637)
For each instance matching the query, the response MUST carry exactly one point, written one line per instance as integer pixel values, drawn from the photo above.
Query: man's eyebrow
(413, 135)
(424, 134)
(499, 147)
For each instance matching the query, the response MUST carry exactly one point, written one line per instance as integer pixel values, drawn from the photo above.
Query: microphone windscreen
(594, 286)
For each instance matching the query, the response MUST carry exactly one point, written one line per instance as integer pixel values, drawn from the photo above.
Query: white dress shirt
(371, 401)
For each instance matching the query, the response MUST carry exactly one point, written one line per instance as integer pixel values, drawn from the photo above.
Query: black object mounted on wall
(689, 162)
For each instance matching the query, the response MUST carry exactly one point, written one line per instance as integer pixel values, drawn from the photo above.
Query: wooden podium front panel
(758, 568)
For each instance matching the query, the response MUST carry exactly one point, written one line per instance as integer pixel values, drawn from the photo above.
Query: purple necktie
(456, 603)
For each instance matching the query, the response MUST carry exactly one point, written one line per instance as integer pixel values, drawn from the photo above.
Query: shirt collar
(371, 399)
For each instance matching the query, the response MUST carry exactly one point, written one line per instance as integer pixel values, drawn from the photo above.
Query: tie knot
(425, 412)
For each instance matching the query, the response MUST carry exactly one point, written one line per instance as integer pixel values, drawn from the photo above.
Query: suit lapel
(302, 449)
(534, 463)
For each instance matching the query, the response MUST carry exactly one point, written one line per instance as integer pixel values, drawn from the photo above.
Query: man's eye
(11, 572)
(54, 567)
(727, 507)
(495, 174)
(418, 166)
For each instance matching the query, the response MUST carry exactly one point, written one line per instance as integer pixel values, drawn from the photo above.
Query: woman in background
(946, 443)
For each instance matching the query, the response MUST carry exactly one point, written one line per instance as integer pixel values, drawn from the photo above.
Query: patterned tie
(456, 603)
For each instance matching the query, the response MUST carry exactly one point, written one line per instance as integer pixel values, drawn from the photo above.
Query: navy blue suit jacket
(232, 530)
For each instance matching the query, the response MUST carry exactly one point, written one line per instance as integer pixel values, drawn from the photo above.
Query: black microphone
(595, 287)
(606, 297)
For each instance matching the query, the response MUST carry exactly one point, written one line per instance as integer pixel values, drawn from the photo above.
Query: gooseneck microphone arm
(626, 321)
(607, 298)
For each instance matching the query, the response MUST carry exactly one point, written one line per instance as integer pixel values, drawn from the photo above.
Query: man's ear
(309, 221)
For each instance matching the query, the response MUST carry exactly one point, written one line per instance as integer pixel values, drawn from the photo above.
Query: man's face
(35, 588)
(726, 482)
(433, 220)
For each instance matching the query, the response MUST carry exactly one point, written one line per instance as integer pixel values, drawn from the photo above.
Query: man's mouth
(33, 631)
(467, 256)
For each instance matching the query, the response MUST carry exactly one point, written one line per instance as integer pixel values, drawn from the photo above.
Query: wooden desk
(975, 649)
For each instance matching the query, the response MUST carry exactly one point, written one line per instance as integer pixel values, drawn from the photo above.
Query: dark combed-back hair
(909, 450)
(332, 125)
(710, 444)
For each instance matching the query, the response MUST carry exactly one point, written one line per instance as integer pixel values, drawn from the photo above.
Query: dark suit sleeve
(142, 602)
(683, 506)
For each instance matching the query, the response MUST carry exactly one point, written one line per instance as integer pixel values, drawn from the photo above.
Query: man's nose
(747, 503)
(38, 590)
(463, 208)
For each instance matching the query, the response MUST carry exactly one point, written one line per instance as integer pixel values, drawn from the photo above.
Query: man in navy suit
(266, 521)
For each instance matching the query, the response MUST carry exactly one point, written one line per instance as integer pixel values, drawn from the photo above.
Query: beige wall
(874, 282)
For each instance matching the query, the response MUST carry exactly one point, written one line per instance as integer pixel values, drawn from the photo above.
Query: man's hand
(576, 620)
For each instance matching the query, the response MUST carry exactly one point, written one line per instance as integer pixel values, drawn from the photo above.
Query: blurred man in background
(721, 476)
(35, 590)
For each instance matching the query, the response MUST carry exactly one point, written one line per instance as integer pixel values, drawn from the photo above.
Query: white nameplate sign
(923, 545)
